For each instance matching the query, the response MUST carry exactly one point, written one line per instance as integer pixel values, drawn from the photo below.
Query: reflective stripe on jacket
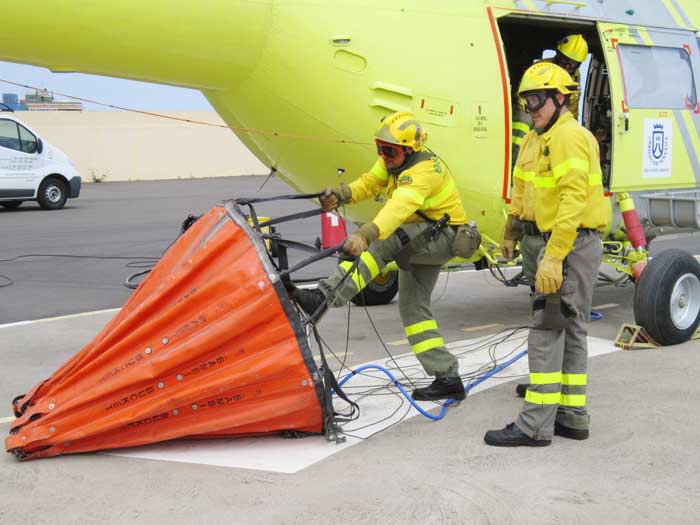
(522, 203)
(426, 185)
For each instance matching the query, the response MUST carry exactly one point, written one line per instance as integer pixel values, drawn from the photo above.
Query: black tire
(11, 205)
(52, 194)
(667, 297)
(380, 291)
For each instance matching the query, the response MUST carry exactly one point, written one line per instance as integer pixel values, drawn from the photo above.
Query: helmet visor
(534, 100)
(388, 151)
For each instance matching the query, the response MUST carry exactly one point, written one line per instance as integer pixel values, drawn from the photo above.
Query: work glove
(334, 196)
(508, 249)
(358, 242)
(549, 275)
(513, 230)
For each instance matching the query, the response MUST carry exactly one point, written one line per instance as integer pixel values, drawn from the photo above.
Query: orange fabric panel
(207, 345)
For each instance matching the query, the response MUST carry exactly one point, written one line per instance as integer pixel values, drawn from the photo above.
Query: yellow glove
(361, 239)
(507, 249)
(335, 196)
(549, 275)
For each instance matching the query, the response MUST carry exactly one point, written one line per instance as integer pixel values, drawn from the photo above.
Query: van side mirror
(39, 145)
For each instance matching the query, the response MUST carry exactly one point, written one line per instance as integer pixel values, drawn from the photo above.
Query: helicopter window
(657, 77)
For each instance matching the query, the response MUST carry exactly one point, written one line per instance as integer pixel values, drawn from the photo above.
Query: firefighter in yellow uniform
(572, 50)
(559, 170)
(418, 225)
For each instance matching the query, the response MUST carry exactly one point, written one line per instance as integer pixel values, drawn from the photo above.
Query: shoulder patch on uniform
(405, 180)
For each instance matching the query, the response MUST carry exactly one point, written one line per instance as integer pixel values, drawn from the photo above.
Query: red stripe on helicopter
(506, 101)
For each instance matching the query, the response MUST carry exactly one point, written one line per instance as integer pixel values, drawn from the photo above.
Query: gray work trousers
(415, 288)
(530, 247)
(557, 345)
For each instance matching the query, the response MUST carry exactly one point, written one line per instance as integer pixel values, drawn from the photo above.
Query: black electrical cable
(58, 255)
(9, 282)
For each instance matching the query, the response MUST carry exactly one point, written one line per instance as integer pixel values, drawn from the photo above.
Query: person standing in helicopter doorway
(558, 193)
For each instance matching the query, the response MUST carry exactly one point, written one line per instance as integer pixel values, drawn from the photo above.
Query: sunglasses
(388, 151)
(535, 100)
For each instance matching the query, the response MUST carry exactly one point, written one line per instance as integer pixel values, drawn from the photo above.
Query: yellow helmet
(574, 47)
(545, 76)
(403, 129)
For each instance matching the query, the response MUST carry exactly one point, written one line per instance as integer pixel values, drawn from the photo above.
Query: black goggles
(388, 151)
(567, 63)
(534, 100)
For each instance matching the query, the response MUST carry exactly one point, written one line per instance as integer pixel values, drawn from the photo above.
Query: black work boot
(521, 389)
(512, 436)
(310, 300)
(441, 388)
(571, 433)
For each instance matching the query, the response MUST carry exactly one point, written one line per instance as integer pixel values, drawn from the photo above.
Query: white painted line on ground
(398, 343)
(7, 419)
(481, 327)
(59, 318)
(274, 454)
(605, 306)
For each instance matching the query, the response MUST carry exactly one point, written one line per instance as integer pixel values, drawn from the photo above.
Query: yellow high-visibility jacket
(561, 170)
(522, 125)
(424, 184)
(522, 204)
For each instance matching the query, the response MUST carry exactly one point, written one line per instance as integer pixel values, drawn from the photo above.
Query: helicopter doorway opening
(527, 40)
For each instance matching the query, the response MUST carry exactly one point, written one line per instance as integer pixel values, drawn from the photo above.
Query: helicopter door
(656, 115)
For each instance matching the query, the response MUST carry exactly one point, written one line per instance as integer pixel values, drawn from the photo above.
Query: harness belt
(530, 228)
(580, 232)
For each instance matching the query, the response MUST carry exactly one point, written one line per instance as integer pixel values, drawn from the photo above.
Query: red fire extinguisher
(333, 229)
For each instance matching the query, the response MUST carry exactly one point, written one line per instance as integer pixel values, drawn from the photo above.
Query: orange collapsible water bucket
(209, 345)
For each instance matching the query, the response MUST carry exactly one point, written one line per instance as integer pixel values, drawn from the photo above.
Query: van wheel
(11, 205)
(52, 194)
(667, 297)
(379, 291)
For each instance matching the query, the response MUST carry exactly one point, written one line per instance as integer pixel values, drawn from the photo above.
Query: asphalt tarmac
(640, 464)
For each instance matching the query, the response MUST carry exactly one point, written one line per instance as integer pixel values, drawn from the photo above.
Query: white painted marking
(59, 318)
(274, 454)
(6, 419)
(605, 306)
(481, 327)
(400, 342)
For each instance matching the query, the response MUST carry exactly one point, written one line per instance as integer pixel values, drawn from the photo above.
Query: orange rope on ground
(310, 138)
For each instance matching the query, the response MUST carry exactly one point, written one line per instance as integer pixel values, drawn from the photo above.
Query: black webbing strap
(403, 236)
(294, 196)
(330, 385)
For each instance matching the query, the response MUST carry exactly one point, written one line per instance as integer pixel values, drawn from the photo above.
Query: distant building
(11, 100)
(43, 100)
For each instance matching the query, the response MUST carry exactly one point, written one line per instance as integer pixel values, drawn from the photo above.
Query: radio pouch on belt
(467, 240)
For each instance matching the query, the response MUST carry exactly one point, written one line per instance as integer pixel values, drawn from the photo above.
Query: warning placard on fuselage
(480, 120)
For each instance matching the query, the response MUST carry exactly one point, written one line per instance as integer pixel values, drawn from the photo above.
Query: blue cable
(596, 316)
(471, 385)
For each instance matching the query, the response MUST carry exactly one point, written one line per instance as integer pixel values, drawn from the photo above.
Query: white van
(32, 169)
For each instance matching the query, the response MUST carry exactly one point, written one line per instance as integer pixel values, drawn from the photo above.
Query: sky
(115, 91)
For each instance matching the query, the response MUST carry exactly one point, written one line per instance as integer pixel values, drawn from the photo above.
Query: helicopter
(303, 83)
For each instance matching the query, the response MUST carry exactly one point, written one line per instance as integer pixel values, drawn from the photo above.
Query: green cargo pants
(415, 288)
(557, 344)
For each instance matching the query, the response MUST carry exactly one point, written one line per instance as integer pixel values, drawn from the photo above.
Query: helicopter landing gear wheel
(667, 297)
